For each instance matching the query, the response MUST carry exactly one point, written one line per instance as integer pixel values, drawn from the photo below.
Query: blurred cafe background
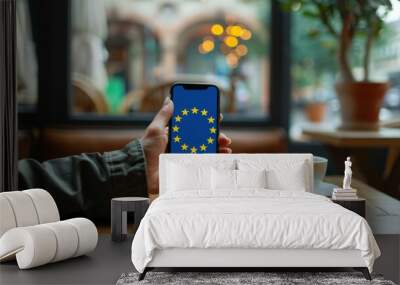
(92, 73)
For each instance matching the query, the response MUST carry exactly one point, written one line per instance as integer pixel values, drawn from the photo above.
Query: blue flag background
(194, 125)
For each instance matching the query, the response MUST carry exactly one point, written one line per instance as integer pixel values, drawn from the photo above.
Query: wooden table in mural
(358, 145)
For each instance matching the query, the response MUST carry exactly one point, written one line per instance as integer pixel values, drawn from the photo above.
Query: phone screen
(194, 125)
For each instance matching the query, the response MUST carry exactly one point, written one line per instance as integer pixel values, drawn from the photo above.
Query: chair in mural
(87, 98)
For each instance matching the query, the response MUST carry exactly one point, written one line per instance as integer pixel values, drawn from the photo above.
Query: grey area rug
(233, 278)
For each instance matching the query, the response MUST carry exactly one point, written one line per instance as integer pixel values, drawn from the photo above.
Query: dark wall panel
(8, 116)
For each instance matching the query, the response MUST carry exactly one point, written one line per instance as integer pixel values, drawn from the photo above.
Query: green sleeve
(83, 185)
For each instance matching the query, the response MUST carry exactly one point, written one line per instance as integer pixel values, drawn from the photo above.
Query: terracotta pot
(316, 111)
(360, 104)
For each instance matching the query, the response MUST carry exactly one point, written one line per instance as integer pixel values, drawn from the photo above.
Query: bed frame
(249, 258)
(242, 259)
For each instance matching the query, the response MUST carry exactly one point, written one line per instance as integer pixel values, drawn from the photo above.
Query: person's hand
(155, 140)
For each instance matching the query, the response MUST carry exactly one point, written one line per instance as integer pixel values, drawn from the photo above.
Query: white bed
(201, 220)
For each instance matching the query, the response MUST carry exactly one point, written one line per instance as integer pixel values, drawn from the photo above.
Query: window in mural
(314, 70)
(126, 54)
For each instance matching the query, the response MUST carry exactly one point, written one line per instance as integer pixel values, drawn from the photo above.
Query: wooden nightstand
(356, 205)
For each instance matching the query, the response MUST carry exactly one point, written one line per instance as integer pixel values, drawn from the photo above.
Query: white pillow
(251, 178)
(183, 177)
(293, 181)
(283, 174)
(223, 179)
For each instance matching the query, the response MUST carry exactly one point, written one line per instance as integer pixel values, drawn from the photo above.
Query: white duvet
(250, 219)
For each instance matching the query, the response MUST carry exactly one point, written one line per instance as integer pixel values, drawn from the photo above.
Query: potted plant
(307, 92)
(346, 20)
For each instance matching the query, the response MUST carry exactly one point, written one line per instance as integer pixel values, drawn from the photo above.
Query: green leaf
(310, 14)
(313, 33)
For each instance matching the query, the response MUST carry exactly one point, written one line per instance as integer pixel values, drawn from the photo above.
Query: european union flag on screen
(194, 125)
(194, 130)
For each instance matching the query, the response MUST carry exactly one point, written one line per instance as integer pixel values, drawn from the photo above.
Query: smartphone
(194, 126)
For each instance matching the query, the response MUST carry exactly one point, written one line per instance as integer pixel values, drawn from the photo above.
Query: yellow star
(211, 120)
(185, 112)
(195, 110)
(178, 118)
(204, 112)
(175, 129)
(184, 147)
(213, 130)
(203, 147)
(210, 140)
(177, 139)
(193, 150)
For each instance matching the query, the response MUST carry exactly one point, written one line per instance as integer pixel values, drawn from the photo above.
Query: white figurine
(347, 174)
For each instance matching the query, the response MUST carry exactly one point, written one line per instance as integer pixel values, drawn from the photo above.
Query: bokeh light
(232, 60)
(230, 45)
(241, 50)
(206, 46)
(201, 50)
(231, 41)
(228, 30)
(236, 31)
(246, 35)
(217, 29)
